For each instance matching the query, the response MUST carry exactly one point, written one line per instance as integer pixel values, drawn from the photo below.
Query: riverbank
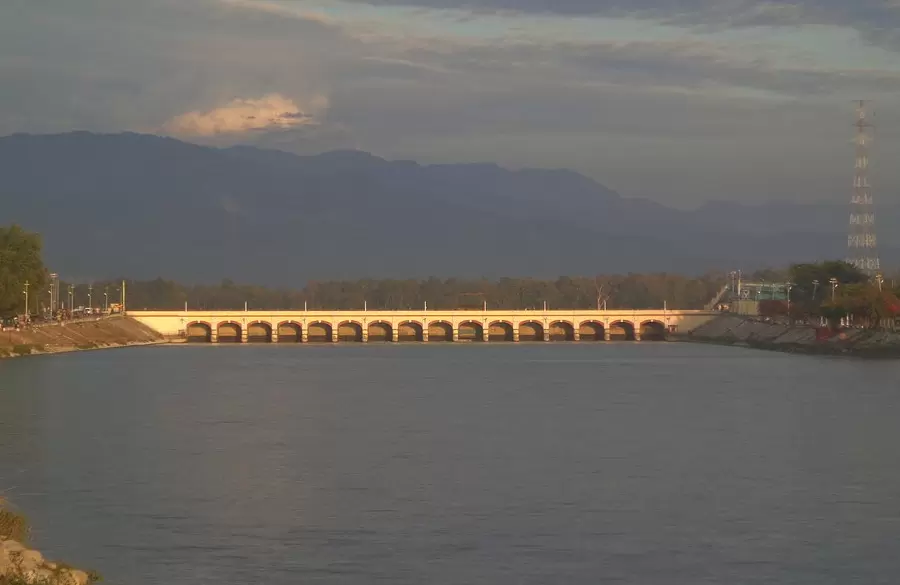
(20, 565)
(744, 332)
(110, 332)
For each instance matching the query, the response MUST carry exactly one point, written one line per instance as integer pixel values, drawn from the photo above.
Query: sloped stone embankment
(79, 335)
(735, 330)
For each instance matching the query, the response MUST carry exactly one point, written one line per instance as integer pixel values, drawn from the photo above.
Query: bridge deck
(362, 326)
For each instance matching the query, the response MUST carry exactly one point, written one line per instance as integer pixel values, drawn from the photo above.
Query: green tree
(20, 262)
(813, 287)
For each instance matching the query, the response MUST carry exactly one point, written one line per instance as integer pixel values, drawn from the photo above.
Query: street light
(90, 298)
(815, 284)
(880, 280)
(834, 285)
(789, 286)
(106, 300)
(26, 298)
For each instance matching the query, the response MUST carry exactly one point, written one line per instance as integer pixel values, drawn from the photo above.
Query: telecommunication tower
(861, 241)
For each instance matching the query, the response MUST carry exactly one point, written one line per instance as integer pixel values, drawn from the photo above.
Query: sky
(679, 101)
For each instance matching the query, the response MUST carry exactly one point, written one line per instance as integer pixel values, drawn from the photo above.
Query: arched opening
(229, 332)
(531, 331)
(198, 333)
(380, 331)
(259, 333)
(440, 331)
(501, 331)
(290, 333)
(409, 331)
(350, 331)
(471, 331)
(319, 332)
(591, 331)
(653, 331)
(562, 331)
(621, 331)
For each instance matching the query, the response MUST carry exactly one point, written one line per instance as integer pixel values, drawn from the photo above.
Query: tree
(812, 287)
(20, 262)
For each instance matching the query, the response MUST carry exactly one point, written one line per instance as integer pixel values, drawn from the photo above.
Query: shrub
(12, 525)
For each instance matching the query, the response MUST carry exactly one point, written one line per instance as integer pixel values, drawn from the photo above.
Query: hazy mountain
(145, 206)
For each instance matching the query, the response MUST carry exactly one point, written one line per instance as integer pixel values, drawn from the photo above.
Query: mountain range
(146, 206)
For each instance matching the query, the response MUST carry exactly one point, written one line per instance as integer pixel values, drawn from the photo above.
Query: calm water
(416, 464)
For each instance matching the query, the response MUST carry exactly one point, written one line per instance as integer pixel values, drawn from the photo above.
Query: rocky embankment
(114, 331)
(742, 331)
(20, 565)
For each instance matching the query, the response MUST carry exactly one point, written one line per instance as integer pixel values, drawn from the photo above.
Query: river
(458, 464)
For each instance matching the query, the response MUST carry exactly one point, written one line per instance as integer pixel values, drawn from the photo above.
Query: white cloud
(269, 112)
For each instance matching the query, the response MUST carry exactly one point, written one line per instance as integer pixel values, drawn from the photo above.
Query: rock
(78, 577)
(30, 559)
(12, 546)
(16, 559)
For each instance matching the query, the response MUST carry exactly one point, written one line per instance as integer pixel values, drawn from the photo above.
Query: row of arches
(412, 331)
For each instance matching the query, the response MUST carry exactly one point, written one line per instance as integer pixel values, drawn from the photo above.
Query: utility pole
(862, 244)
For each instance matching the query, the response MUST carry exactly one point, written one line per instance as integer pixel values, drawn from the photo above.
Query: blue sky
(681, 101)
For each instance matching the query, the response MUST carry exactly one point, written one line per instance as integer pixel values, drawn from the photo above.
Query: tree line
(835, 291)
(633, 291)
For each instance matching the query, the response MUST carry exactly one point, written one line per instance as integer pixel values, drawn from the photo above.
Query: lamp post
(789, 286)
(815, 284)
(90, 298)
(25, 292)
(106, 299)
(834, 285)
(880, 280)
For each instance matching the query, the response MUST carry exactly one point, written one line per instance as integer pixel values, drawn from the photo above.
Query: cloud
(877, 20)
(269, 112)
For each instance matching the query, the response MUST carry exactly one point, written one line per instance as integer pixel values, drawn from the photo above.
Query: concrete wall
(176, 323)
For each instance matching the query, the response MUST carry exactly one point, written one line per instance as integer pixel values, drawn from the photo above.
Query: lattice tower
(862, 243)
